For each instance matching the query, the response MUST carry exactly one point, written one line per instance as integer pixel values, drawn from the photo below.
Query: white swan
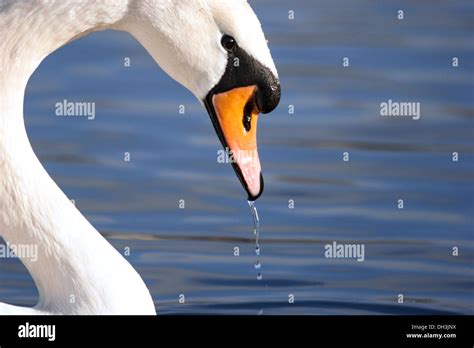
(215, 48)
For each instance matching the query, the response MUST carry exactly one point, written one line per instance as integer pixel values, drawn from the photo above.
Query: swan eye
(228, 42)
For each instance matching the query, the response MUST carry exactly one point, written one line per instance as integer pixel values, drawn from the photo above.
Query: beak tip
(253, 197)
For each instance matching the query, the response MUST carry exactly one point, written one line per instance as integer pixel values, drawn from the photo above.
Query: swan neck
(74, 268)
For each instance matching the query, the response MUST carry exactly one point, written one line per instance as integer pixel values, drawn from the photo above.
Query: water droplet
(256, 220)
(256, 225)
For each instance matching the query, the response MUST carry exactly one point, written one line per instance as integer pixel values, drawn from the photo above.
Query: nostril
(247, 119)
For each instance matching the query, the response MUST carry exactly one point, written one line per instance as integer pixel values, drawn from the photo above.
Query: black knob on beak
(268, 95)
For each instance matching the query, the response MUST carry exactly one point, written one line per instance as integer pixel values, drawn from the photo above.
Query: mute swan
(214, 48)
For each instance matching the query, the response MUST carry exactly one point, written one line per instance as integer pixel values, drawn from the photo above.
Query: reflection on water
(191, 251)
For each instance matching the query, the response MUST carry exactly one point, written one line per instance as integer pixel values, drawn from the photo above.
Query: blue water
(190, 251)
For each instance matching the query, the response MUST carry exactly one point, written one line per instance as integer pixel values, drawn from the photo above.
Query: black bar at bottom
(314, 330)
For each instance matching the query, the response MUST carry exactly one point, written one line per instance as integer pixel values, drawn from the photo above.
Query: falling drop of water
(256, 221)
(256, 225)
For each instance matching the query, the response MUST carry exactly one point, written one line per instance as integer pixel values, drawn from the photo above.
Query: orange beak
(236, 123)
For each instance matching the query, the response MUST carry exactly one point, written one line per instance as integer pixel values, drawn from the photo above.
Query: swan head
(217, 50)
